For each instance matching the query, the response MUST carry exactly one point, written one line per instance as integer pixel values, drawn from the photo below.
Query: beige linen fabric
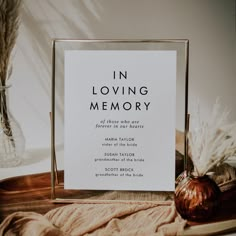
(98, 219)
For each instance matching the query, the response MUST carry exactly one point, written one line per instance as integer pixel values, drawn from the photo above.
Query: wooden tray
(33, 193)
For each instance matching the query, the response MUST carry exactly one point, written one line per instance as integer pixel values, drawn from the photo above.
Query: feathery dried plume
(212, 142)
(9, 24)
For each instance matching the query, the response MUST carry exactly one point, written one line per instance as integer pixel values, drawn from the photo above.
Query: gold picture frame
(181, 46)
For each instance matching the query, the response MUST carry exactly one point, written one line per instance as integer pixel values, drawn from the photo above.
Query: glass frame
(180, 45)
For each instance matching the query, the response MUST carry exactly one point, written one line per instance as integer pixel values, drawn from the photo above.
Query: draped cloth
(98, 218)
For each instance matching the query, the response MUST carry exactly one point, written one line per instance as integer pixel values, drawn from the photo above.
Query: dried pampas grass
(9, 24)
(211, 142)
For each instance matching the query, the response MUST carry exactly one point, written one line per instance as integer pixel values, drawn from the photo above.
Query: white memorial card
(120, 108)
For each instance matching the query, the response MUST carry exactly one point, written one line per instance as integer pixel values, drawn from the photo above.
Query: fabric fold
(98, 219)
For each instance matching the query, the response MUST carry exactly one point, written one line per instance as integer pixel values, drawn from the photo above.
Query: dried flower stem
(212, 142)
(9, 24)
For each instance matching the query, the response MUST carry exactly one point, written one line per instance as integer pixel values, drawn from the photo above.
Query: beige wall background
(208, 24)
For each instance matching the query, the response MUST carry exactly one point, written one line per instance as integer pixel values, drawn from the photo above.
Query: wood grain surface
(33, 193)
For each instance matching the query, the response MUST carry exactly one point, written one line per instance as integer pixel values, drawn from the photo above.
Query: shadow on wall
(44, 20)
(33, 156)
